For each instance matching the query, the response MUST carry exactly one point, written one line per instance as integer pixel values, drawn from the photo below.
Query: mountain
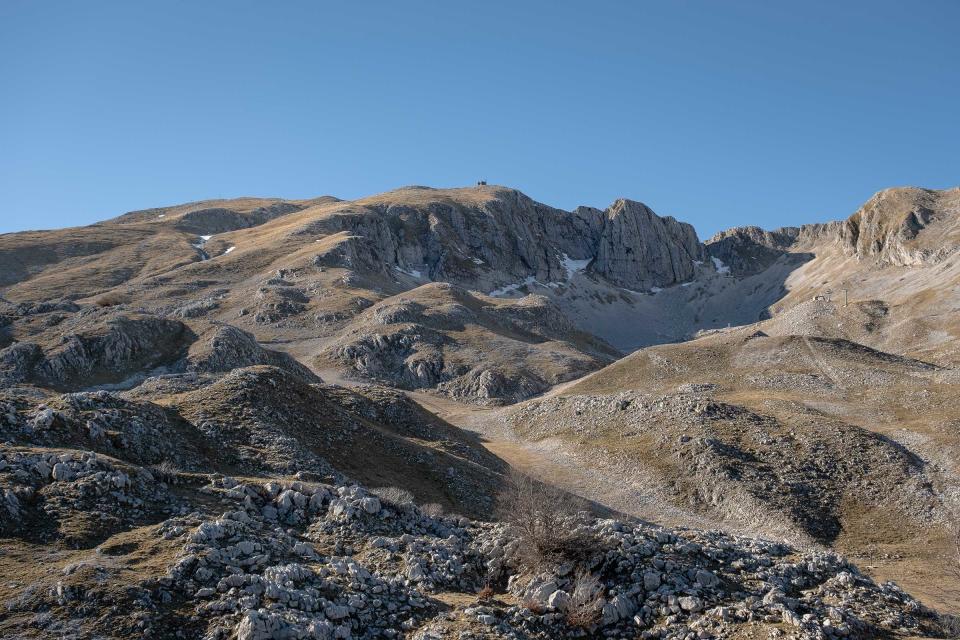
(886, 277)
(260, 418)
(307, 275)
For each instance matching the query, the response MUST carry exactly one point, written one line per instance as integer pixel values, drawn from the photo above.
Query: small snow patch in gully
(415, 273)
(573, 266)
(200, 244)
(718, 263)
(510, 288)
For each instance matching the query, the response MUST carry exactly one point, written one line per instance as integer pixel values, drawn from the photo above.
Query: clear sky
(718, 113)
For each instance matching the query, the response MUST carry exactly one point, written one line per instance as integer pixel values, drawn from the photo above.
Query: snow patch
(229, 250)
(162, 215)
(199, 246)
(510, 288)
(573, 266)
(477, 260)
(412, 272)
(656, 289)
(718, 263)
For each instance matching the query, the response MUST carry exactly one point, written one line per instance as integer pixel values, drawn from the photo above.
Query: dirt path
(819, 363)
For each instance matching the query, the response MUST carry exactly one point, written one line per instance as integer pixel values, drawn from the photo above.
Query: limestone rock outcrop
(639, 250)
(499, 239)
(890, 226)
(227, 348)
(96, 347)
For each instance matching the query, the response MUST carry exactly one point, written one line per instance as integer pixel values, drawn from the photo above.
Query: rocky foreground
(223, 557)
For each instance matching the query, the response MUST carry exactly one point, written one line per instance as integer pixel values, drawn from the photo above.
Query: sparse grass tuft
(393, 496)
(166, 471)
(111, 299)
(949, 625)
(585, 606)
(533, 606)
(432, 509)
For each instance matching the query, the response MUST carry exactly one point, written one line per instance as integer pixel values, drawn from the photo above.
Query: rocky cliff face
(497, 238)
(750, 250)
(106, 347)
(227, 348)
(638, 249)
(905, 227)
(120, 347)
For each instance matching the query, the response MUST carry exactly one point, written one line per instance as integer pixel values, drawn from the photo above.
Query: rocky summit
(461, 413)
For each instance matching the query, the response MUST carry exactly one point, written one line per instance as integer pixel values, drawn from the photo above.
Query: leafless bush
(541, 518)
(111, 299)
(393, 496)
(585, 605)
(432, 509)
(166, 471)
(533, 606)
(485, 594)
(950, 625)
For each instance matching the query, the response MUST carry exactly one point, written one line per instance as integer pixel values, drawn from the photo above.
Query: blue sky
(718, 113)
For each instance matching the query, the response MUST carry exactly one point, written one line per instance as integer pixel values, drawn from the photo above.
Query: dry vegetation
(540, 516)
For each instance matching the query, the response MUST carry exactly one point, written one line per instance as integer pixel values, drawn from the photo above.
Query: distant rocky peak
(638, 249)
(499, 240)
(905, 226)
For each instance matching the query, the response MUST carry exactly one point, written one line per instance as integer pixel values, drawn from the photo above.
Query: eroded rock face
(18, 362)
(638, 249)
(508, 238)
(443, 337)
(230, 348)
(122, 344)
(212, 220)
(751, 250)
(509, 384)
(890, 226)
(98, 346)
(106, 423)
(901, 226)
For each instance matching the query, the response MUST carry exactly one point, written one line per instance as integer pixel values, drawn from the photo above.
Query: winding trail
(821, 364)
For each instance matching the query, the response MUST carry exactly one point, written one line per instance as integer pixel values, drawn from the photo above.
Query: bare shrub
(585, 605)
(110, 299)
(393, 496)
(541, 518)
(950, 625)
(533, 606)
(166, 471)
(485, 594)
(432, 509)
